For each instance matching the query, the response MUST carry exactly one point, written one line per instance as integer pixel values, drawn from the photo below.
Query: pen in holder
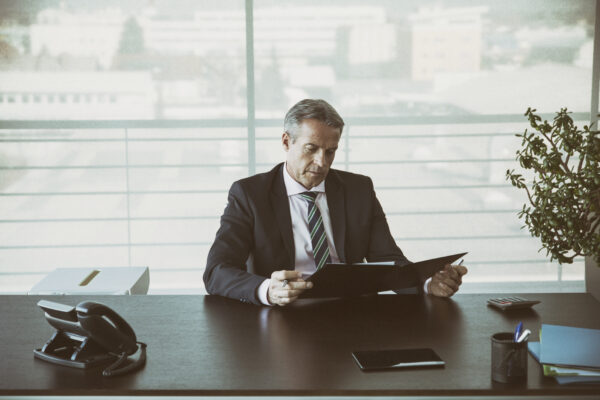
(509, 358)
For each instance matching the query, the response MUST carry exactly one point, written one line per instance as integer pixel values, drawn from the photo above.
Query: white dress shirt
(304, 258)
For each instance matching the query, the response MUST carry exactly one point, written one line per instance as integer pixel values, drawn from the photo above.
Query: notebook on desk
(345, 280)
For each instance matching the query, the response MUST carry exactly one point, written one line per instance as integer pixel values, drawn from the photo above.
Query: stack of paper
(568, 354)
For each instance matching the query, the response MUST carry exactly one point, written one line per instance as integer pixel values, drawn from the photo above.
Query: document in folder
(344, 280)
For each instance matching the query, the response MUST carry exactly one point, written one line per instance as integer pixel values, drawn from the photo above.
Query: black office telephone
(90, 335)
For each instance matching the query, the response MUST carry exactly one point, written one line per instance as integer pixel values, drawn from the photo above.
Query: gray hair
(311, 109)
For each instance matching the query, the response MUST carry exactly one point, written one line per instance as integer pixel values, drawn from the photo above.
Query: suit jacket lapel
(337, 212)
(281, 206)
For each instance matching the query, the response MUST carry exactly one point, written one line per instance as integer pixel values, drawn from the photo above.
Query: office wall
(592, 277)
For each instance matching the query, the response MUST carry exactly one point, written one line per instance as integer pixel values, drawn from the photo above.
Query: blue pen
(518, 330)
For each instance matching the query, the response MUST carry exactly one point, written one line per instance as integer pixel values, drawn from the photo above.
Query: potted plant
(562, 187)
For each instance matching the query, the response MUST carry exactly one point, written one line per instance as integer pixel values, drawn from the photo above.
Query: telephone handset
(89, 335)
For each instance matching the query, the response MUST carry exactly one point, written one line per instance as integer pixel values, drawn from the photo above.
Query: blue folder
(570, 346)
(534, 350)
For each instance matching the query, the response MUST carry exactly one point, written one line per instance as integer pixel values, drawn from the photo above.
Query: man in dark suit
(293, 219)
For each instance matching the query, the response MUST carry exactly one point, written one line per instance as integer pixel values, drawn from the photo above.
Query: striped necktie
(317, 232)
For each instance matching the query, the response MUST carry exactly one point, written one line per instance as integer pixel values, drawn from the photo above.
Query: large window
(123, 124)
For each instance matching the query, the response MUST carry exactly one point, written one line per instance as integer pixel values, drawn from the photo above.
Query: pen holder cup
(509, 358)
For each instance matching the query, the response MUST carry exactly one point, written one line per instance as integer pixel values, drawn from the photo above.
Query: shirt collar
(292, 187)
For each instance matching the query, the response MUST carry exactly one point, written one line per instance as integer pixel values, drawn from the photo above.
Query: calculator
(511, 303)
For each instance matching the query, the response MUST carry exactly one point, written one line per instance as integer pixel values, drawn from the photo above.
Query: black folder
(344, 280)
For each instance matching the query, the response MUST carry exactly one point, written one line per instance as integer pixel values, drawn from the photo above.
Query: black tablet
(398, 358)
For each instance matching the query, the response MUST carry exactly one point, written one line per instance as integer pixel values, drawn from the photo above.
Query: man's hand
(447, 281)
(286, 286)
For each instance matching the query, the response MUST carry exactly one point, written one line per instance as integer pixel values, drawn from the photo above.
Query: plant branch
(580, 163)
(564, 165)
(529, 195)
(542, 174)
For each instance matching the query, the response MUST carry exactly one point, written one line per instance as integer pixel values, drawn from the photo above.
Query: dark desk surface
(214, 346)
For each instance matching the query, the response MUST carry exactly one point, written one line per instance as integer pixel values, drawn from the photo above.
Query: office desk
(212, 346)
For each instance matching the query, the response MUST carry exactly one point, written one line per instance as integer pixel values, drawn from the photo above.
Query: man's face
(311, 154)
